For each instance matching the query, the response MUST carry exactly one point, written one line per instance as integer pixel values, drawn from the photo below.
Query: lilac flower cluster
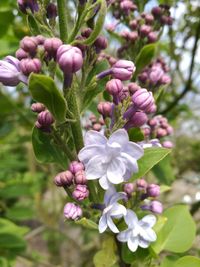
(94, 123)
(155, 74)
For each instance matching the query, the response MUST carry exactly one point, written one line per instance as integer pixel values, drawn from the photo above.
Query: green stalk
(76, 125)
(62, 14)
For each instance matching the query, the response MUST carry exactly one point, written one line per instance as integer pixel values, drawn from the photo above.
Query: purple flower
(143, 100)
(28, 4)
(153, 190)
(10, 73)
(123, 70)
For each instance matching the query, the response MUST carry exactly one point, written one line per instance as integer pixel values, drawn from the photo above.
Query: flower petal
(143, 243)
(115, 171)
(109, 193)
(90, 152)
(124, 236)
(102, 224)
(148, 221)
(131, 218)
(148, 234)
(130, 163)
(133, 243)
(111, 225)
(95, 169)
(104, 183)
(134, 150)
(118, 210)
(94, 138)
(120, 137)
(117, 196)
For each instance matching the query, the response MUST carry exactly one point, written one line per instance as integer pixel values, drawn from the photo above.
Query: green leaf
(164, 171)
(99, 24)
(12, 242)
(20, 212)
(44, 90)
(187, 261)
(178, 233)
(44, 149)
(6, 226)
(129, 257)
(15, 191)
(145, 57)
(168, 261)
(151, 157)
(98, 87)
(87, 223)
(107, 256)
(6, 20)
(4, 262)
(135, 135)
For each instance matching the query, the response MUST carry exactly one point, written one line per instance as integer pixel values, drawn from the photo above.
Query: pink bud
(45, 118)
(133, 24)
(143, 99)
(29, 65)
(168, 144)
(105, 108)
(170, 130)
(156, 207)
(29, 44)
(133, 87)
(156, 11)
(40, 39)
(101, 43)
(153, 190)
(72, 211)
(149, 19)
(123, 70)
(96, 127)
(86, 32)
(76, 166)
(114, 87)
(129, 189)
(51, 45)
(80, 193)
(64, 179)
(80, 177)
(141, 185)
(152, 37)
(145, 30)
(37, 107)
(161, 133)
(143, 77)
(165, 79)
(20, 54)
(69, 58)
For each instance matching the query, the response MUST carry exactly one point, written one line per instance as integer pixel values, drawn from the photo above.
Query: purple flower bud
(152, 37)
(45, 118)
(168, 144)
(161, 133)
(133, 36)
(137, 120)
(69, 58)
(164, 20)
(114, 87)
(151, 109)
(124, 93)
(149, 19)
(156, 11)
(141, 185)
(28, 4)
(169, 21)
(146, 131)
(81, 192)
(127, 6)
(86, 32)
(153, 190)
(145, 30)
(143, 77)
(156, 207)
(20, 54)
(29, 44)
(72, 211)
(51, 11)
(129, 189)
(51, 45)
(170, 130)
(37, 107)
(43, 128)
(80, 177)
(153, 122)
(64, 179)
(40, 39)
(101, 43)
(133, 87)
(76, 166)
(10, 74)
(133, 24)
(29, 65)
(155, 75)
(123, 70)
(105, 108)
(143, 99)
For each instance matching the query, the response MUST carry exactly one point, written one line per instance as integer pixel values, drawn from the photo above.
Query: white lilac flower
(150, 143)
(112, 210)
(139, 232)
(112, 160)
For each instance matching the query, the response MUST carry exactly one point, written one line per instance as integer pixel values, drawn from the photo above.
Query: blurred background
(32, 228)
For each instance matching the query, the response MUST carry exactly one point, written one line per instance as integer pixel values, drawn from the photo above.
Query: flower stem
(76, 125)
(62, 14)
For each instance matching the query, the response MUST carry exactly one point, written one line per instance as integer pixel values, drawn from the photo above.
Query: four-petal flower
(139, 232)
